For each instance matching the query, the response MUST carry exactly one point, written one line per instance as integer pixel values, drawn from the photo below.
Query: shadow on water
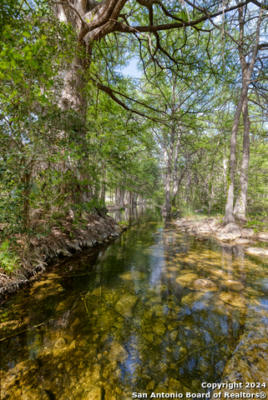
(154, 311)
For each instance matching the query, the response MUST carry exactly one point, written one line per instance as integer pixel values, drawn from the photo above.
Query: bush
(8, 260)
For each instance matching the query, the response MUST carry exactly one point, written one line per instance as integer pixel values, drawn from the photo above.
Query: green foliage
(31, 59)
(8, 260)
(57, 160)
(256, 224)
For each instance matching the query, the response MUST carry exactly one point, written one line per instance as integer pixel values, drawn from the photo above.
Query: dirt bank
(64, 240)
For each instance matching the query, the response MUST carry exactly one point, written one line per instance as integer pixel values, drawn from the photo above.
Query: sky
(131, 70)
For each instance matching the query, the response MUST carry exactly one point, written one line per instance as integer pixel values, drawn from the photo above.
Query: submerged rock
(117, 352)
(159, 328)
(204, 284)
(187, 279)
(132, 275)
(249, 360)
(232, 299)
(125, 304)
(190, 298)
(233, 285)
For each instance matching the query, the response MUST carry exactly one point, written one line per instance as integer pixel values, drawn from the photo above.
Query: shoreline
(230, 234)
(38, 254)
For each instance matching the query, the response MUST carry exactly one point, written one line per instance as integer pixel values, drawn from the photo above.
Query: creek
(156, 310)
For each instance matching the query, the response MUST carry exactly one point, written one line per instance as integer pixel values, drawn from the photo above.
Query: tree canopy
(77, 133)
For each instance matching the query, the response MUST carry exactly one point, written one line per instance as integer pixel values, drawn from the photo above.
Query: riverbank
(35, 254)
(231, 233)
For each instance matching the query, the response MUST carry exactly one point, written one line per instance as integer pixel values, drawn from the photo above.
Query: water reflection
(155, 311)
(129, 214)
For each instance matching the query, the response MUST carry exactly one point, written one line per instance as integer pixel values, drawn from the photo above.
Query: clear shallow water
(154, 311)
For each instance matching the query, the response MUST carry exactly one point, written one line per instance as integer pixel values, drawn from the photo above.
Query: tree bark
(247, 69)
(167, 184)
(229, 217)
(103, 190)
(241, 202)
(73, 96)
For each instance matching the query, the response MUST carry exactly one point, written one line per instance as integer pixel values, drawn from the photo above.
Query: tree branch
(155, 28)
(112, 93)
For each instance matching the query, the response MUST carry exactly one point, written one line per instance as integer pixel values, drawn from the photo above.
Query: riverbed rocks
(233, 285)
(248, 362)
(186, 279)
(117, 352)
(232, 299)
(263, 236)
(257, 251)
(125, 305)
(231, 233)
(128, 330)
(204, 285)
(247, 233)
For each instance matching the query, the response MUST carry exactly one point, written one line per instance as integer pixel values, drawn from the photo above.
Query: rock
(173, 335)
(257, 251)
(149, 337)
(242, 241)
(203, 228)
(159, 328)
(117, 352)
(190, 298)
(60, 343)
(174, 385)
(173, 269)
(132, 275)
(187, 279)
(247, 233)
(263, 236)
(233, 285)
(125, 305)
(249, 360)
(157, 309)
(229, 232)
(204, 284)
(150, 386)
(94, 393)
(232, 299)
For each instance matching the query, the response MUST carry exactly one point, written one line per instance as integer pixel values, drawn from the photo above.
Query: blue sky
(131, 69)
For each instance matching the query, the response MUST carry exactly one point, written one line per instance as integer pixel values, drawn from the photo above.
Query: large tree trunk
(73, 78)
(167, 183)
(247, 69)
(241, 202)
(103, 192)
(73, 95)
(175, 178)
(229, 217)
